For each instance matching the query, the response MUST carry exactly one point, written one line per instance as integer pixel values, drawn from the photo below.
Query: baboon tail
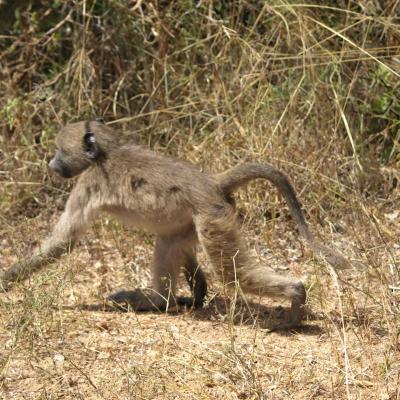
(240, 175)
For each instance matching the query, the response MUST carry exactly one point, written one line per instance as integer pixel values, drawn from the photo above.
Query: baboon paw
(4, 284)
(141, 300)
(190, 302)
(292, 322)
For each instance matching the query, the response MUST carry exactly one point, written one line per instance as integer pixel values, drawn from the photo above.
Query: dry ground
(59, 339)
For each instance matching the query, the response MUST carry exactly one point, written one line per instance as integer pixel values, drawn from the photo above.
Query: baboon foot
(287, 325)
(142, 300)
(190, 302)
(293, 320)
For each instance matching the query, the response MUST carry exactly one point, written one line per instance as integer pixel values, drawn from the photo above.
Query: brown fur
(179, 204)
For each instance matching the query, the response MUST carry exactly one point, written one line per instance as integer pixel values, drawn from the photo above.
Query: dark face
(72, 158)
(66, 166)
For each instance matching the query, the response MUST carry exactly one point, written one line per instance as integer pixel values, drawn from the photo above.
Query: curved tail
(232, 179)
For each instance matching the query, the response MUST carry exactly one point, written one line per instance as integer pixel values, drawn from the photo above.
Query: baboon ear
(91, 147)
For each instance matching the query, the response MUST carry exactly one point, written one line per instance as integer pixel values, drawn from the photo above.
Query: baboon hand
(5, 284)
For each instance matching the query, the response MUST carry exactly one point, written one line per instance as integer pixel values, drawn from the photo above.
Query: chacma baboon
(173, 200)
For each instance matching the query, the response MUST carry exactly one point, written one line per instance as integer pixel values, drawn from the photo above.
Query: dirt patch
(59, 338)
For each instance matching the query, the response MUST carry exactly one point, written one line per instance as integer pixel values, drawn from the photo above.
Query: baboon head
(81, 145)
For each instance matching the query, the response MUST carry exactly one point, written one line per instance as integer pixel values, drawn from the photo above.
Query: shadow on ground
(219, 308)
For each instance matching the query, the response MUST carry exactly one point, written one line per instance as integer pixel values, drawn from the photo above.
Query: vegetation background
(311, 87)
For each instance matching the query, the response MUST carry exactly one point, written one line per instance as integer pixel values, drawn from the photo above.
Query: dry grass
(311, 88)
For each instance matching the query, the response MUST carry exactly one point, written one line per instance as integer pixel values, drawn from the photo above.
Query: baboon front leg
(168, 258)
(221, 240)
(74, 220)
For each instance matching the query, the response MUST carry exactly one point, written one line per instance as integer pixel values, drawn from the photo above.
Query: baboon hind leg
(168, 258)
(221, 240)
(196, 280)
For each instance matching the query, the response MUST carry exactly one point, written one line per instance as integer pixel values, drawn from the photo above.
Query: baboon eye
(90, 145)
